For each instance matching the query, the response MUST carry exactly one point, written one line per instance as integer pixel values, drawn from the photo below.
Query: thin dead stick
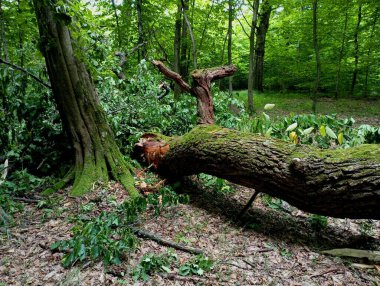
(159, 240)
(250, 202)
(25, 71)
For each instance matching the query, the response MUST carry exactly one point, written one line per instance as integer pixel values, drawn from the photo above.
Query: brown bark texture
(96, 155)
(343, 183)
(201, 87)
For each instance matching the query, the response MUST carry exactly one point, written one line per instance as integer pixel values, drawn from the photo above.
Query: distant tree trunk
(96, 154)
(142, 51)
(184, 64)
(356, 53)
(375, 18)
(177, 47)
(341, 52)
(317, 56)
(3, 39)
(255, 7)
(342, 183)
(117, 24)
(258, 66)
(229, 51)
(201, 87)
(194, 47)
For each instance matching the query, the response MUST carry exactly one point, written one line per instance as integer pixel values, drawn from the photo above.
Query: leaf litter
(269, 245)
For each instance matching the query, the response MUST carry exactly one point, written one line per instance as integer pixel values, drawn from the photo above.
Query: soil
(272, 244)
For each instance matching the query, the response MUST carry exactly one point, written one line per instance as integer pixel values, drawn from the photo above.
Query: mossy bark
(341, 183)
(97, 157)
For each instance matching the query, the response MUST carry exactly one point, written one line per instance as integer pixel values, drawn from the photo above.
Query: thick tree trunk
(201, 88)
(184, 63)
(258, 71)
(256, 4)
(341, 183)
(141, 52)
(177, 47)
(97, 157)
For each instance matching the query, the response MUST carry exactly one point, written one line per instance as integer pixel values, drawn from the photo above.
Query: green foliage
(197, 266)
(151, 263)
(110, 236)
(165, 262)
(318, 222)
(217, 185)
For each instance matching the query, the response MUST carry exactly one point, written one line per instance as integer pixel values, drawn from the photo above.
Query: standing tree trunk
(201, 87)
(142, 51)
(356, 55)
(184, 63)
(317, 56)
(375, 18)
(177, 47)
(3, 39)
(341, 52)
(229, 51)
(96, 155)
(252, 55)
(258, 66)
(117, 24)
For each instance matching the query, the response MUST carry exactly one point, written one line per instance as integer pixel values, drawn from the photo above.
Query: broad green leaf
(165, 268)
(322, 130)
(340, 138)
(330, 132)
(291, 127)
(269, 106)
(266, 116)
(269, 131)
(308, 130)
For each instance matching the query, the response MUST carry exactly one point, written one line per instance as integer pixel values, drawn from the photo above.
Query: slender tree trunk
(230, 19)
(375, 18)
(184, 64)
(96, 155)
(341, 52)
(3, 39)
(177, 47)
(142, 51)
(317, 56)
(255, 5)
(258, 66)
(117, 24)
(341, 183)
(356, 54)
(194, 47)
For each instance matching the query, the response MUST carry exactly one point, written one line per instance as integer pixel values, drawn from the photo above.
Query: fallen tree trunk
(342, 183)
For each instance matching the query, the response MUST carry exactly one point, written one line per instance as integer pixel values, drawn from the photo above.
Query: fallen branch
(160, 240)
(26, 72)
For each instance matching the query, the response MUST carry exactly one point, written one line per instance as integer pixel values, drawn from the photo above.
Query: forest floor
(363, 110)
(272, 244)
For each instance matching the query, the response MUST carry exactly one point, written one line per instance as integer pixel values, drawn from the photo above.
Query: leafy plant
(197, 266)
(110, 236)
(318, 222)
(152, 263)
(217, 185)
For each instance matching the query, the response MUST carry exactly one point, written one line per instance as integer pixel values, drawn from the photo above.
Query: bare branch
(26, 72)
(172, 75)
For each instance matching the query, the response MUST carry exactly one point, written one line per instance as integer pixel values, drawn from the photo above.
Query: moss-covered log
(96, 155)
(342, 183)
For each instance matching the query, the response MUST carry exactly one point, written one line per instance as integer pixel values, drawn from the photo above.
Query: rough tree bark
(229, 50)
(342, 183)
(201, 88)
(255, 4)
(97, 157)
(317, 55)
(356, 54)
(258, 70)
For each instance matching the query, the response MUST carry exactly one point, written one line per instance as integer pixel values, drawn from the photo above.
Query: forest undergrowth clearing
(273, 244)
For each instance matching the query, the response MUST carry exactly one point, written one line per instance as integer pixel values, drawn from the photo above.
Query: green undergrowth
(109, 236)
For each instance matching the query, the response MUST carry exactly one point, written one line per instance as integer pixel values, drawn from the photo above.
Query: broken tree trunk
(342, 183)
(201, 88)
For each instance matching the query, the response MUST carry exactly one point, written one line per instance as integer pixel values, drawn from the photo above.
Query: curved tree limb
(172, 75)
(26, 72)
(342, 183)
